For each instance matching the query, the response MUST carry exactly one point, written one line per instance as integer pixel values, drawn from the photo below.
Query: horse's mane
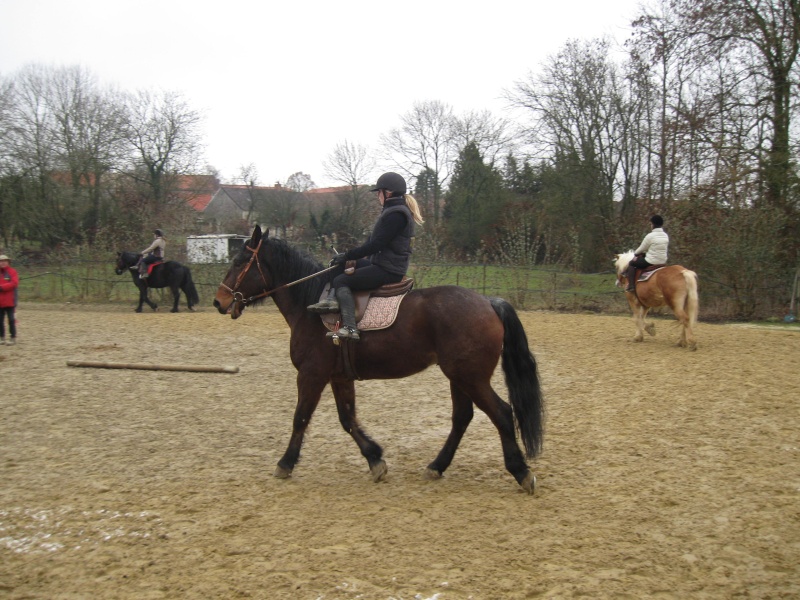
(622, 260)
(288, 264)
(129, 258)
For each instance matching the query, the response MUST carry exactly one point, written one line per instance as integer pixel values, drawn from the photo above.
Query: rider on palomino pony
(652, 251)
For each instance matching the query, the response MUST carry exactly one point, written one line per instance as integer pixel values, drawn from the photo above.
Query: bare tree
(163, 135)
(350, 164)
(88, 131)
(300, 182)
(423, 143)
(492, 136)
(767, 33)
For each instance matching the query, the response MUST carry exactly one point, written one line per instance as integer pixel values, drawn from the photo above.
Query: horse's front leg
(309, 390)
(638, 318)
(345, 394)
(144, 299)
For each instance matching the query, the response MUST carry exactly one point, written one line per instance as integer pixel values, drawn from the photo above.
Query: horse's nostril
(216, 303)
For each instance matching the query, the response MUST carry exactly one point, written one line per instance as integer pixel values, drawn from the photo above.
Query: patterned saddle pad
(374, 310)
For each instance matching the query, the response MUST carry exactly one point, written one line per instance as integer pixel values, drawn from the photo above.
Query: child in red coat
(9, 280)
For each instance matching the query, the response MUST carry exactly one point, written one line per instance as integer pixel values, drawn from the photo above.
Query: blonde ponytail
(414, 208)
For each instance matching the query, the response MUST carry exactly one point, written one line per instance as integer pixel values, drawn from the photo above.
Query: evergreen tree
(474, 203)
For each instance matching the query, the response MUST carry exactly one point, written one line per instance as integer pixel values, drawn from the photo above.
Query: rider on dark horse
(652, 251)
(383, 259)
(153, 253)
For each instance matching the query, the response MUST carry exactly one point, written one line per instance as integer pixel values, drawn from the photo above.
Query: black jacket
(389, 246)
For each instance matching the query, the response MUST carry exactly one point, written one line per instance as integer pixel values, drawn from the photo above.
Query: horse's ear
(256, 237)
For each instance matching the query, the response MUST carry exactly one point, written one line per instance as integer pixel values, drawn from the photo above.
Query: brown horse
(463, 332)
(674, 286)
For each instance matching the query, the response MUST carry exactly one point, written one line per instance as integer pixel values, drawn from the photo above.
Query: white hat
(4, 257)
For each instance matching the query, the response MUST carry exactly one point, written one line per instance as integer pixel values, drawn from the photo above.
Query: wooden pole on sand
(113, 365)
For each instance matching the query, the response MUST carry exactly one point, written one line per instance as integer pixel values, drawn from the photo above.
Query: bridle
(239, 298)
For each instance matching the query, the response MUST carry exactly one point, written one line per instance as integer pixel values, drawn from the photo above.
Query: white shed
(213, 247)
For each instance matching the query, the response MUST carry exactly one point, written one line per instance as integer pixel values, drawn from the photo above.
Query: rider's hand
(339, 259)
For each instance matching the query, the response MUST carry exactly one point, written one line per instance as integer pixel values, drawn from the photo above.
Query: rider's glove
(339, 259)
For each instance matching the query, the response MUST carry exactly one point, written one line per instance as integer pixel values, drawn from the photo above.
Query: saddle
(152, 266)
(375, 309)
(647, 272)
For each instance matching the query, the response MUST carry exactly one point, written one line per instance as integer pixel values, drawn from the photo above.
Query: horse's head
(246, 279)
(621, 264)
(125, 260)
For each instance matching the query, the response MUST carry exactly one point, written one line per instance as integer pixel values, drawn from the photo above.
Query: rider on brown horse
(652, 251)
(388, 249)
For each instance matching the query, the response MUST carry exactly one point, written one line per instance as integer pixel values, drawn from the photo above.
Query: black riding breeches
(366, 277)
(12, 323)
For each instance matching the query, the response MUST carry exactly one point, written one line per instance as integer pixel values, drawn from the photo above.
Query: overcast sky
(280, 83)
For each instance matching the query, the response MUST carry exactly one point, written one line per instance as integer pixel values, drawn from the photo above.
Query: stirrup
(349, 333)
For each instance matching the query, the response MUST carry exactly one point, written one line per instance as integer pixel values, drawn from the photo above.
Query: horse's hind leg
(500, 413)
(462, 416)
(345, 394)
(686, 339)
(176, 296)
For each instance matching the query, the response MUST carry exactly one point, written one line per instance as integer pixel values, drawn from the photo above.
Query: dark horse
(463, 332)
(169, 274)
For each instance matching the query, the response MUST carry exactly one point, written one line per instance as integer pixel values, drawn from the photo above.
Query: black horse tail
(522, 379)
(188, 287)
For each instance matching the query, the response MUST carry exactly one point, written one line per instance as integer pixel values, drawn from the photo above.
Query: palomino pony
(463, 332)
(169, 274)
(674, 286)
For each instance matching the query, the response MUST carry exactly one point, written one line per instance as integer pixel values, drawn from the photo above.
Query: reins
(239, 297)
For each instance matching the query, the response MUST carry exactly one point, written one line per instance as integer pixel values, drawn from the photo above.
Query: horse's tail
(188, 287)
(522, 378)
(692, 298)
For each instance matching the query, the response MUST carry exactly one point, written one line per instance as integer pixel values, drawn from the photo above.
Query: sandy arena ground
(128, 484)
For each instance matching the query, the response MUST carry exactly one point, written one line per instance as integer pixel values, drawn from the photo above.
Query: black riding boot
(329, 305)
(631, 279)
(347, 306)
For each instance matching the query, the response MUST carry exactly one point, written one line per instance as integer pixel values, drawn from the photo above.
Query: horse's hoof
(651, 329)
(432, 474)
(378, 471)
(282, 473)
(529, 483)
(138, 310)
(174, 310)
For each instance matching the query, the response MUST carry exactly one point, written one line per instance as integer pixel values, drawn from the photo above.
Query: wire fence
(93, 281)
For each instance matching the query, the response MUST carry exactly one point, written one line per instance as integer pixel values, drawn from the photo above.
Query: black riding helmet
(158, 233)
(392, 182)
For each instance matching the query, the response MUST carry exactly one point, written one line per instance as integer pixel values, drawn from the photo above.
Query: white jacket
(655, 246)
